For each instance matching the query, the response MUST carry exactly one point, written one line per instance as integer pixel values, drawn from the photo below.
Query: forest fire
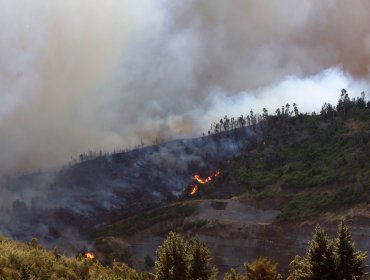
(89, 256)
(207, 179)
(194, 190)
(201, 180)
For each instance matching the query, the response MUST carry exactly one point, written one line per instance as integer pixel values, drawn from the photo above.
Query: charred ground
(60, 207)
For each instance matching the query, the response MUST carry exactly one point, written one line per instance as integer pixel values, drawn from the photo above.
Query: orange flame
(207, 179)
(201, 180)
(90, 256)
(194, 190)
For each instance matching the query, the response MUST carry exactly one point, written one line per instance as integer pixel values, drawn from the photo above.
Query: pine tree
(299, 269)
(262, 269)
(349, 261)
(329, 259)
(173, 259)
(321, 257)
(234, 275)
(200, 261)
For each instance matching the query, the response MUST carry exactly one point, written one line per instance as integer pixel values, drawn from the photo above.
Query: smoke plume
(89, 74)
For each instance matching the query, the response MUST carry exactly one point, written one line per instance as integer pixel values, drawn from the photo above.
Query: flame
(207, 179)
(194, 190)
(201, 180)
(90, 256)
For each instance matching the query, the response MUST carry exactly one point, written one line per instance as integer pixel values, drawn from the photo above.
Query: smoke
(58, 208)
(79, 75)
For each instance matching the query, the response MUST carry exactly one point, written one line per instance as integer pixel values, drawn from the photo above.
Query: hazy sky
(92, 74)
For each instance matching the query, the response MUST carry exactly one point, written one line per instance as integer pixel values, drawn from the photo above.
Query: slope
(306, 169)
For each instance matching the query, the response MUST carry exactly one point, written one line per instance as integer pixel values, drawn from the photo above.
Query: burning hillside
(57, 208)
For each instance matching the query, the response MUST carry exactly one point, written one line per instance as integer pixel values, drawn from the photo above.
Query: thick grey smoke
(89, 74)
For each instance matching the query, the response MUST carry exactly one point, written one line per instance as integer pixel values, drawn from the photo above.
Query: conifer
(234, 275)
(262, 269)
(321, 257)
(173, 260)
(349, 261)
(200, 258)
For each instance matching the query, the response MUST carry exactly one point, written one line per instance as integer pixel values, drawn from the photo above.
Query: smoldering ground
(61, 208)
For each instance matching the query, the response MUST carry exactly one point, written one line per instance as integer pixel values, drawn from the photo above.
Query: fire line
(194, 190)
(201, 180)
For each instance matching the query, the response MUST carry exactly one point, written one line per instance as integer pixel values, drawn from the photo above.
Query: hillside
(253, 186)
(307, 169)
(60, 207)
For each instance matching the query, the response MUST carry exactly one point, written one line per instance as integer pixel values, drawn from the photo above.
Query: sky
(78, 75)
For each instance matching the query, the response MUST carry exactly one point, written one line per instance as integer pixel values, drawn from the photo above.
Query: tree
(299, 269)
(344, 103)
(200, 261)
(360, 101)
(278, 112)
(287, 108)
(265, 113)
(349, 261)
(234, 275)
(296, 112)
(321, 257)
(241, 121)
(329, 259)
(262, 269)
(178, 259)
(172, 259)
(327, 110)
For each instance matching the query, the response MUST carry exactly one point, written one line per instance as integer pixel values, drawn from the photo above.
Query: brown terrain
(239, 229)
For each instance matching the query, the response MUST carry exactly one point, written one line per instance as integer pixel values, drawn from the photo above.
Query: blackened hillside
(59, 208)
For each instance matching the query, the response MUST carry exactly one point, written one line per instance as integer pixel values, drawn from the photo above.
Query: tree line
(345, 107)
(326, 259)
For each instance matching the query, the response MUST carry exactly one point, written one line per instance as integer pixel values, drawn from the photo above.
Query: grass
(144, 220)
(305, 205)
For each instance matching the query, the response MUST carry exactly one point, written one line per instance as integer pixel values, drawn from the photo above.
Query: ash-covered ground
(59, 208)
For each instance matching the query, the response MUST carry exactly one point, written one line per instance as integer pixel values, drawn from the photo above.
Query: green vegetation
(305, 205)
(327, 258)
(178, 258)
(139, 222)
(262, 269)
(319, 161)
(19, 261)
(332, 154)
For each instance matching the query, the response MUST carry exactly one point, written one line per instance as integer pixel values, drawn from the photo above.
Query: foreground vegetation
(179, 259)
(330, 259)
(21, 261)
